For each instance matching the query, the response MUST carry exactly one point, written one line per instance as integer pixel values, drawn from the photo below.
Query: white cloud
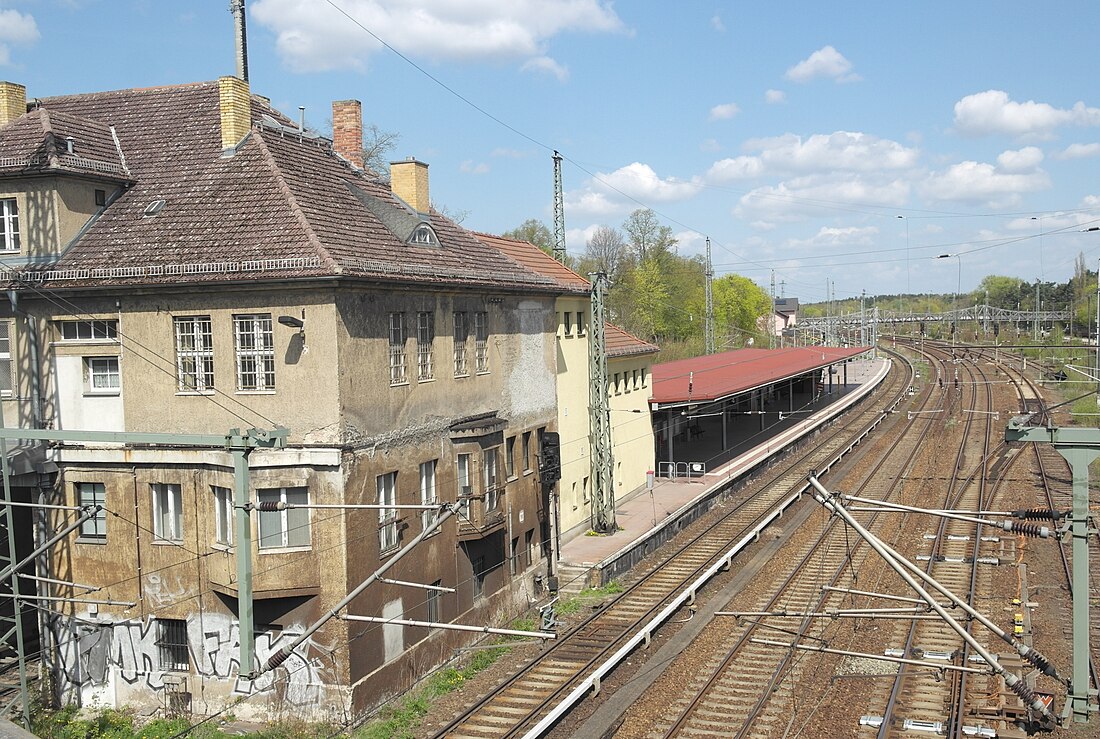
(610, 194)
(791, 154)
(807, 196)
(829, 236)
(723, 112)
(981, 183)
(825, 62)
(1078, 151)
(313, 36)
(546, 65)
(690, 243)
(1021, 160)
(16, 28)
(717, 24)
(992, 112)
(470, 167)
(710, 145)
(774, 97)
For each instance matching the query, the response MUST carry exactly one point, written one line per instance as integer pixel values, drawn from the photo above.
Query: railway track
(528, 696)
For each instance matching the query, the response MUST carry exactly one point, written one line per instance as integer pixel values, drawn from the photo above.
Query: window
(618, 377)
(642, 372)
(526, 451)
(6, 365)
(427, 490)
(465, 489)
(529, 546)
(422, 235)
(88, 330)
(387, 517)
(510, 457)
(223, 516)
(481, 340)
(9, 225)
(397, 349)
(194, 354)
(434, 611)
(167, 512)
(462, 335)
(255, 352)
(288, 527)
(101, 375)
(567, 323)
(513, 556)
(584, 489)
(425, 336)
(172, 644)
(580, 323)
(478, 564)
(101, 197)
(492, 492)
(89, 494)
(634, 377)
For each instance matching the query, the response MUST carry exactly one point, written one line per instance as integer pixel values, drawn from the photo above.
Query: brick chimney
(347, 130)
(409, 181)
(13, 102)
(236, 110)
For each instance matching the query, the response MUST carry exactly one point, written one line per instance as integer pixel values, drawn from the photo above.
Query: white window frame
(387, 517)
(94, 528)
(481, 342)
(428, 492)
(425, 338)
(223, 515)
(94, 330)
(491, 478)
(103, 376)
(254, 345)
(461, 339)
(464, 481)
(167, 511)
(398, 370)
(9, 225)
(194, 354)
(294, 496)
(7, 366)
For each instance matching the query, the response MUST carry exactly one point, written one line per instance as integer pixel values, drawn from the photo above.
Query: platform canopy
(719, 376)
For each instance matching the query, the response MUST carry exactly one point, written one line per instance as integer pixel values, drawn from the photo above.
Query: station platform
(648, 518)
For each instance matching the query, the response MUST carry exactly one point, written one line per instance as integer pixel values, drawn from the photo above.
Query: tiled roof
(36, 142)
(716, 376)
(536, 259)
(282, 206)
(621, 343)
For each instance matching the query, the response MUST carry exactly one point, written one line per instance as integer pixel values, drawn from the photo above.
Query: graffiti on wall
(133, 653)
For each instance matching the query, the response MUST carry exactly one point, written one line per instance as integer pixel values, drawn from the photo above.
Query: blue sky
(792, 134)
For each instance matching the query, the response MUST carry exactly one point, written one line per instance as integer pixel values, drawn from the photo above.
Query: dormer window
(423, 235)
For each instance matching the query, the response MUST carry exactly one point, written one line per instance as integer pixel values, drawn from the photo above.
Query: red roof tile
(716, 376)
(534, 258)
(622, 343)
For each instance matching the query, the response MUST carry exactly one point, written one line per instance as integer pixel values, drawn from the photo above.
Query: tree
(535, 232)
(739, 304)
(647, 237)
(651, 300)
(377, 145)
(1004, 292)
(605, 252)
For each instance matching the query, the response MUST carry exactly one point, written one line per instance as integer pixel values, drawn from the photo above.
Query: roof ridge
(154, 88)
(296, 209)
(50, 138)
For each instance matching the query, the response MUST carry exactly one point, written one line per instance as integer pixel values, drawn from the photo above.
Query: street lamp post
(958, 289)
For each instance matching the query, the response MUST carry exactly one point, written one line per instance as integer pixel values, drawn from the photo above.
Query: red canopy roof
(717, 376)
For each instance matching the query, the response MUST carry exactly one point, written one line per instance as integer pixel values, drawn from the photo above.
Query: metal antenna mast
(771, 316)
(599, 416)
(559, 215)
(709, 344)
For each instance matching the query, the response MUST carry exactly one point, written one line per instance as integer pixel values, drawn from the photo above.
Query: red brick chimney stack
(347, 130)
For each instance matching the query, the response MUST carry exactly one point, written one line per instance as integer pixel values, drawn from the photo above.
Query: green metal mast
(599, 415)
(1079, 446)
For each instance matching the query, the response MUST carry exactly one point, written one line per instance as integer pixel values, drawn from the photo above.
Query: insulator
(1028, 529)
(277, 659)
(1039, 660)
(1036, 514)
(268, 506)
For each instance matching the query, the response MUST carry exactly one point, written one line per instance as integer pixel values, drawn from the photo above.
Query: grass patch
(586, 597)
(112, 723)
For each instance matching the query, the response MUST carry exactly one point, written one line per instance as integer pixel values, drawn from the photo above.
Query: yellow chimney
(13, 102)
(236, 109)
(409, 181)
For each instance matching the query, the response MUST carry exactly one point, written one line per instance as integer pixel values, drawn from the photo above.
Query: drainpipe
(137, 533)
